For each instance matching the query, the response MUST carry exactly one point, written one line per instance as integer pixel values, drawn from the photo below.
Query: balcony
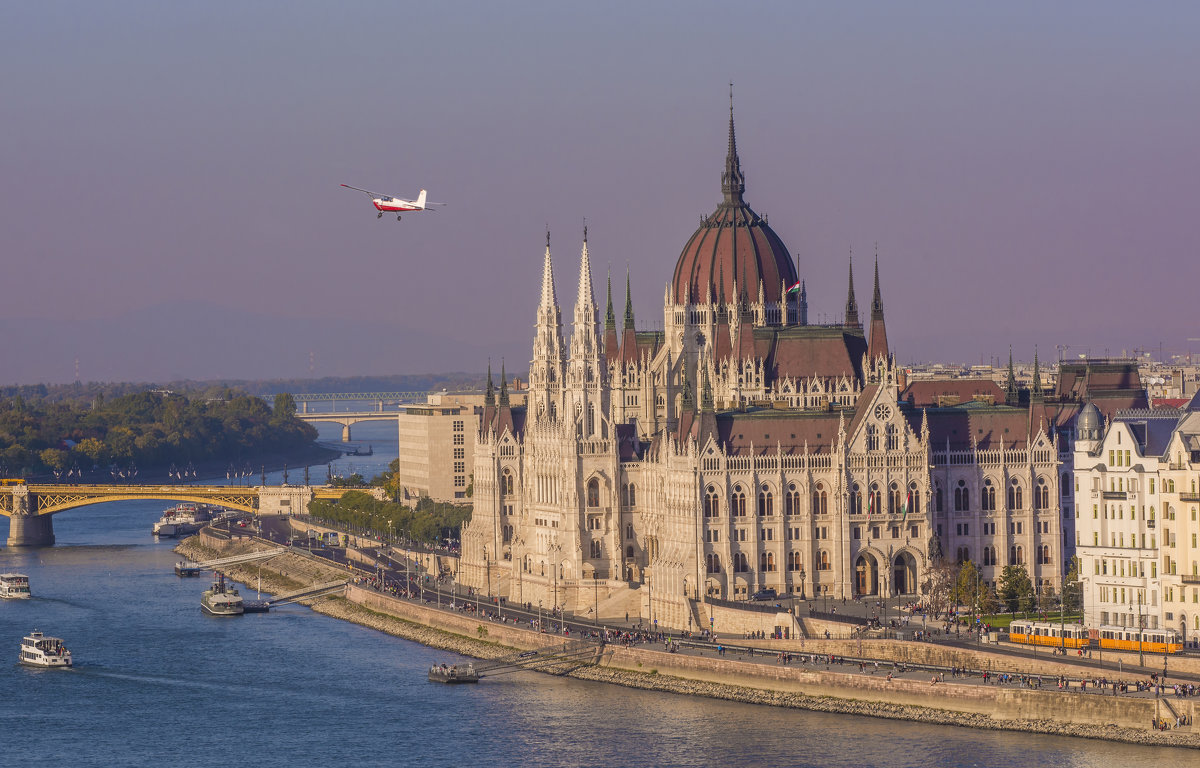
(1115, 495)
(1190, 579)
(1149, 523)
(1185, 496)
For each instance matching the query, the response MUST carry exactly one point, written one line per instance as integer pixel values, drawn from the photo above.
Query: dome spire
(733, 183)
(851, 305)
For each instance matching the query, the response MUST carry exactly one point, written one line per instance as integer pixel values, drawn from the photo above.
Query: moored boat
(222, 600)
(184, 519)
(187, 568)
(38, 650)
(453, 673)
(14, 586)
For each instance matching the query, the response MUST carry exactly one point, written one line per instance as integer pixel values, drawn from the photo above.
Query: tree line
(146, 429)
(951, 584)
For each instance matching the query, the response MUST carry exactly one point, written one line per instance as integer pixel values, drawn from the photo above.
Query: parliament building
(743, 448)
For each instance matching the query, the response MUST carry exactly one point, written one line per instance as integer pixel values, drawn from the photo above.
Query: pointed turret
(489, 397)
(802, 304)
(503, 401)
(546, 368)
(733, 183)
(1037, 377)
(584, 337)
(878, 344)
(629, 349)
(851, 305)
(610, 327)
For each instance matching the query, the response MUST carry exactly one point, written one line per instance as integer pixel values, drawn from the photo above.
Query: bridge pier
(30, 531)
(346, 433)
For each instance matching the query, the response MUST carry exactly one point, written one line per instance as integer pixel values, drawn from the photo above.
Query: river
(158, 683)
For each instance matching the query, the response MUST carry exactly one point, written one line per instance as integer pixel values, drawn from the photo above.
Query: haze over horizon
(170, 176)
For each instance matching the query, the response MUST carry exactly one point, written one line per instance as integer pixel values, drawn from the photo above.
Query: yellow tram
(1070, 636)
(1134, 639)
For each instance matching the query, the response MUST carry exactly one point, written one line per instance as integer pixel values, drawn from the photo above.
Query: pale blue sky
(1029, 171)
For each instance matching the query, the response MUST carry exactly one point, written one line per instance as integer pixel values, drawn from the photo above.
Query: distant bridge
(29, 506)
(346, 418)
(379, 398)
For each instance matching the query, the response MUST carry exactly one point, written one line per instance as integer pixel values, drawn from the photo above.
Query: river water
(158, 683)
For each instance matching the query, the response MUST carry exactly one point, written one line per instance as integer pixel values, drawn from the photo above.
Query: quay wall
(814, 686)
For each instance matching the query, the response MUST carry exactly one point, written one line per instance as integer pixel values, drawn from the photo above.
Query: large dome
(733, 246)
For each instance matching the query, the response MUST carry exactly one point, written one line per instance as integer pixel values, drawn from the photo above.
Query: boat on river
(222, 600)
(188, 568)
(184, 519)
(14, 586)
(38, 650)
(453, 673)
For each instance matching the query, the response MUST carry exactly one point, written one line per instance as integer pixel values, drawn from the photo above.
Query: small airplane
(388, 204)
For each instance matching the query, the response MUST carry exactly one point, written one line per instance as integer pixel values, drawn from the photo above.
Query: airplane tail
(421, 200)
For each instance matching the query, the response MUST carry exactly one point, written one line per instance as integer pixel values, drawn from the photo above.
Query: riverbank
(809, 687)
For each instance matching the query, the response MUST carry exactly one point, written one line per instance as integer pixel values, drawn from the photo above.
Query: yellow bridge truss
(46, 499)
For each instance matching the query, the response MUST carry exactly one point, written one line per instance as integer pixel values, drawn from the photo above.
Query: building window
(766, 503)
(458, 426)
(593, 493)
(819, 500)
(823, 561)
(855, 500)
(506, 483)
(597, 550)
(1041, 496)
(987, 496)
(739, 562)
(739, 501)
(1015, 497)
(766, 561)
(712, 506)
(1016, 555)
(458, 440)
(961, 498)
(793, 562)
(713, 562)
(792, 501)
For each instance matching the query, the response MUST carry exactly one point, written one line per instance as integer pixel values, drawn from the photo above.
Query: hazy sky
(169, 173)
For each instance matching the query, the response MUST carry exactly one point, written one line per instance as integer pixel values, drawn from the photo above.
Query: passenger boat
(222, 600)
(454, 673)
(184, 519)
(38, 650)
(14, 586)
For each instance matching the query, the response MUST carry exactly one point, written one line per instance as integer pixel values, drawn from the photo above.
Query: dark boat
(453, 673)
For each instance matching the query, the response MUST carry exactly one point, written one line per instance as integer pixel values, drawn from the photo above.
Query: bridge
(347, 418)
(379, 398)
(29, 506)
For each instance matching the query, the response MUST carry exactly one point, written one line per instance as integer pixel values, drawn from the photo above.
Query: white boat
(14, 586)
(184, 519)
(38, 650)
(222, 600)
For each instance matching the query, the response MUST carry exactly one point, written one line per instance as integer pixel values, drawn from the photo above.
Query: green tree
(1015, 590)
(966, 587)
(1072, 590)
(285, 406)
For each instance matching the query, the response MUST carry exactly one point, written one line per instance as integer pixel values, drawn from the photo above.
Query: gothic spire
(628, 301)
(878, 345)
(503, 386)
(610, 319)
(1010, 382)
(733, 183)
(1037, 375)
(549, 298)
(489, 397)
(851, 304)
(706, 394)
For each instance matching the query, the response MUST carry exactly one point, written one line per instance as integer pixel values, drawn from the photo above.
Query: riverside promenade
(831, 676)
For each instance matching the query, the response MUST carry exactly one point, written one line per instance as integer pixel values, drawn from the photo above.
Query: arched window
(506, 483)
(629, 531)
(895, 503)
(961, 498)
(874, 500)
(739, 501)
(964, 555)
(596, 549)
(793, 562)
(1066, 485)
(1016, 555)
(1041, 495)
(1016, 498)
(913, 499)
(854, 502)
(629, 495)
(938, 500)
(893, 437)
(593, 493)
(872, 437)
(629, 552)
(766, 561)
(989, 555)
(766, 503)
(739, 562)
(792, 500)
(987, 496)
(713, 561)
(712, 505)
(822, 561)
(820, 500)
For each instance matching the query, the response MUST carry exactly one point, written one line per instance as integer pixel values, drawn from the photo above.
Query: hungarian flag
(904, 509)
(870, 505)
(794, 289)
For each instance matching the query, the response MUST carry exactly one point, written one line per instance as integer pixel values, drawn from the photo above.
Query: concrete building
(1138, 503)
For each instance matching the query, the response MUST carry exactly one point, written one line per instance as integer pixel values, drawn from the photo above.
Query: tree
(940, 585)
(1016, 590)
(966, 588)
(1072, 590)
(285, 406)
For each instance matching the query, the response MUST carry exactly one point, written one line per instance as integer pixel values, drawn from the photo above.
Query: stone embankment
(815, 687)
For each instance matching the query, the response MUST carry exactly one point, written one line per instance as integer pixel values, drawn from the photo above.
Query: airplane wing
(364, 191)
